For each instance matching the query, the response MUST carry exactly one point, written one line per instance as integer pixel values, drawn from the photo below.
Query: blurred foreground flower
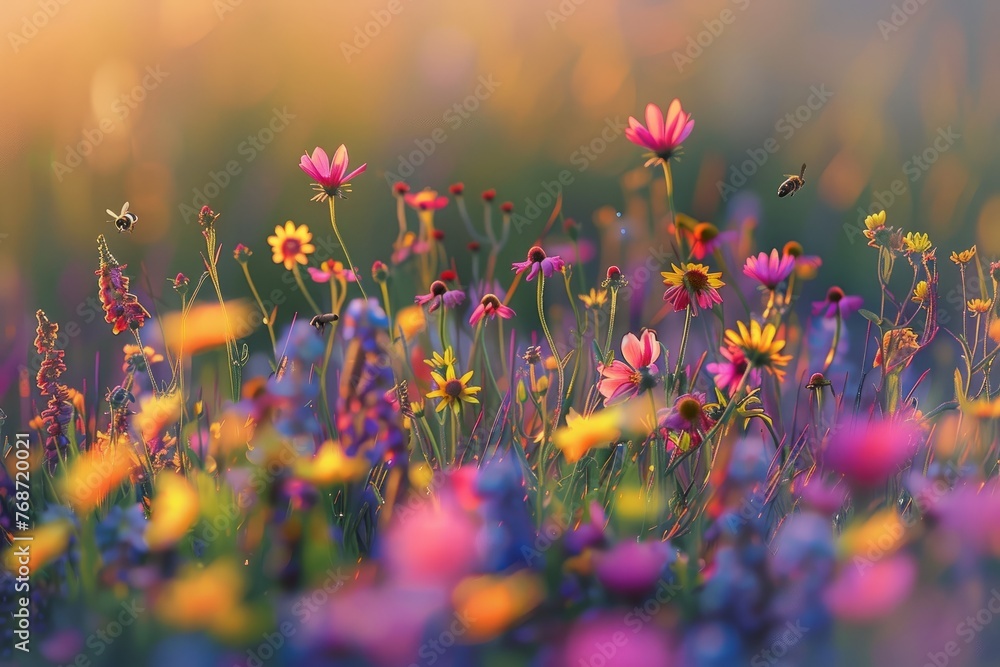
(48, 542)
(581, 434)
(174, 510)
(331, 465)
(205, 326)
(207, 598)
(493, 603)
(93, 475)
(868, 454)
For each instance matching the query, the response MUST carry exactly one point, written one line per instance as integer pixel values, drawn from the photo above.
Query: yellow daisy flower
(453, 390)
(291, 244)
(595, 299)
(917, 242)
(979, 306)
(963, 257)
(760, 347)
(442, 362)
(920, 292)
(873, 222)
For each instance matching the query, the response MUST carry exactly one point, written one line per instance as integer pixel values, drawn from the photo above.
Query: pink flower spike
(331, 178)
(769, 270)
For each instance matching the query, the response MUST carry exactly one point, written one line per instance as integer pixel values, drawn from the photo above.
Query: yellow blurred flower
(411, 320)
(551, 364)
(49, 541)
(174, 510)
(291, 244)
(964, 257)
(595, 299)
(920, 292)
(917, 242)
(93, 475)
(76, 398)
(994, 331)
(208, 598)
(878, 536)
(492, 603)
(979, 306)
(581, 434)
(155, 414)
(205, 326)
(330, 465)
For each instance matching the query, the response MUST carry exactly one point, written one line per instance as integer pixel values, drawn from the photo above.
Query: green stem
(611, 323)
(260, 304)
(347, 255)
(833, 346)
(305, 292)
(682, 349)
(669, 180)
(552, 347)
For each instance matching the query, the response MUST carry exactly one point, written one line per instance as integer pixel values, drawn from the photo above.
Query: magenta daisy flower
(490, 306)
(440, 295)
(624, 379)
(836, 301)
(539, 261)
(331, 178)
(769, 270)
(661, 136)
(727, 374)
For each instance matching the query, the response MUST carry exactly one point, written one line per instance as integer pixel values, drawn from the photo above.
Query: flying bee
(320, 321)
(124, 221)
(792, 183)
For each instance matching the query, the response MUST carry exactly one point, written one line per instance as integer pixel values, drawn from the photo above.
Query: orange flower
(205, 326)
(93, 475)
(174, 511)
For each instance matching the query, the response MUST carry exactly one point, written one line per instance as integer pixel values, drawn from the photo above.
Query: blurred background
(170, 104)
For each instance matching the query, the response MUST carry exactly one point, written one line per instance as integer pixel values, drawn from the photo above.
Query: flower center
(536, 254)
(438, 288)
(490, 301)
(834, 295)
(453, 388)
(696, 280)
(794, 249)
(291, 247)
(705, 231)
(689, 409)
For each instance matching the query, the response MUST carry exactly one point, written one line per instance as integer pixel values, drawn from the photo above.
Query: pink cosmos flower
(727, 374)
(330, 270)
(331, 178)
(769, 270)
(836, 301)
(426, 200)
(624, 379)
(662, 136)
(539, 261)
(490, 306)
(869, 454)
(440, 295)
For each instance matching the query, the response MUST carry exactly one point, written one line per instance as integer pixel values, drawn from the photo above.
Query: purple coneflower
(440, 295)
(539, 261)
(490, 306)
(836, 301)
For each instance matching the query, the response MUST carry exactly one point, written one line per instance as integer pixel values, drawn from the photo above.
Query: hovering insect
(792, 183)
(124, 221)
(320, 321)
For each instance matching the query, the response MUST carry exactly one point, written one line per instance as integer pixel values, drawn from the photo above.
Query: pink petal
(321, 162)
(650, 348)
(617, 371)
(684, 133)
(533, 272)
(477, 314)
(654, 121)
(306, 165)
(632, 350)
(359, 170)
(339, 165)
(675, 119)
(505, 312)
(640, 137)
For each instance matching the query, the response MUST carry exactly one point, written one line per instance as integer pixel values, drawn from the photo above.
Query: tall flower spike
(121, 308)
(57, 417)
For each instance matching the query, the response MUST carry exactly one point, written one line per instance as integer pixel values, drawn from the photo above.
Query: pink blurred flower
(769, 270)
(490, 306)
(426, 200)
(330, 270)
(331, 178)
(539, 261)
(706, 239)
(440, 295)
(624, 379)
(632, 568)
(627, 644)
(661, 136)
(868, 590)
(727, 374)
(836, 301)
(870, 453)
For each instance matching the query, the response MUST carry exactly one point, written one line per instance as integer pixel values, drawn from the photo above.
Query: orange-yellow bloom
(291, 244)
(581, 434)
(760, 347)
(492, 603)
(173, 512)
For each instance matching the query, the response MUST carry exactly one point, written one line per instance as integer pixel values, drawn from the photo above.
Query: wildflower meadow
(442, 430)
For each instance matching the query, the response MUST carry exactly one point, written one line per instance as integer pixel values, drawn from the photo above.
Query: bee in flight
(792, 183)
(124, 221)
(320, 321)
